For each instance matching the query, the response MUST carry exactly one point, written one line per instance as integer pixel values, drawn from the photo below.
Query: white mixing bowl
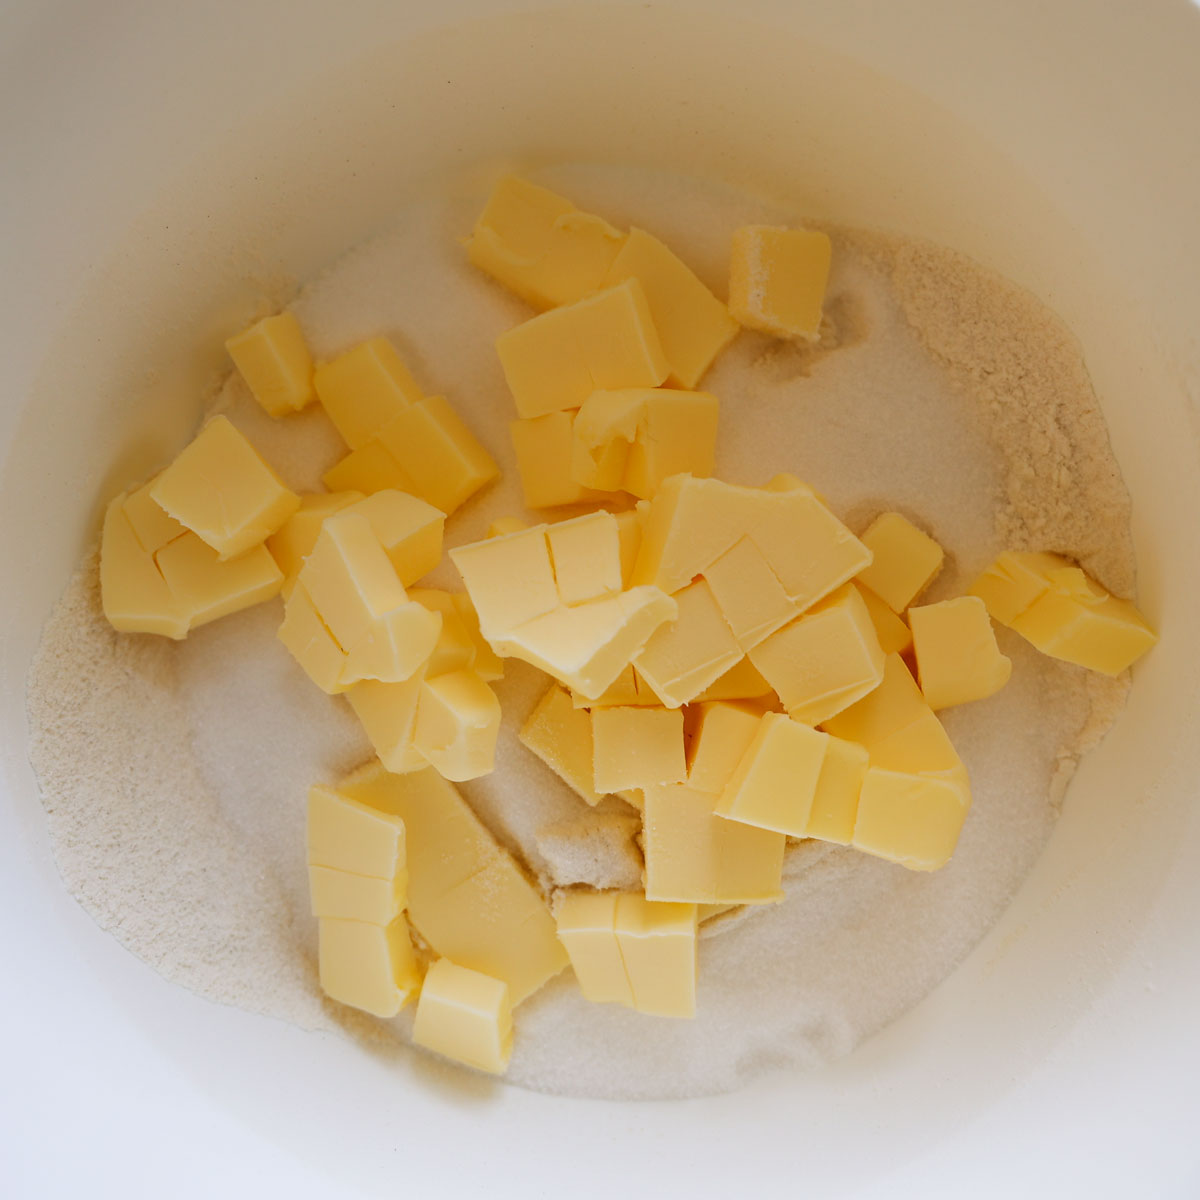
(162, 163)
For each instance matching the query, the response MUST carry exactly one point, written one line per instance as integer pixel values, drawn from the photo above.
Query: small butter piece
(905, 562)
(487, 663)
(910, 819)
(153, 527)
(223, 491)
(723, 734)
(628, 690)
(466, 1016)
(133, 592)
(370, 967)
(274, 360)
(693, 324)
(293, 542)
(894, 635)
(209, 587)
(629, 537)
(677, 434)
(957, 657)
(586, 555)
(1014, 581)
(657, 943)
(607, 340)
(634, 747)
(894, 705)
(505, 525)
(602, 434)
(365, 388)
(749, 594)
(743, 681)
(348, 897)
(587, 927)
(835, 805)
(310, 642)
(388, 712)
(458, 722)
(777, 279)
(369, 469)
(395, 646)
(344, 834)
(456, 648)
(510, 580)
(561, 736)
(543, 447)
(408, 528)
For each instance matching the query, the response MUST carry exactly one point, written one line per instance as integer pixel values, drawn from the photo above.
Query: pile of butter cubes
(733, 662)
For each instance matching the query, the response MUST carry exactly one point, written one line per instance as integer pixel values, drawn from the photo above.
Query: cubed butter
(223, 491)
(395, 646)
(905, 561)
(388, 712)
(586, 555)
(957, 657)
(274, 360)
(345, 834)
(777, 279)
(487, 664)
(293, 542)
(133, 592)
(634, 747)
(629, 536)
(456, 648)
(743, 681)
(506, 525)
(348, 897)
(561, 736)
(510, 580)
(835, 805)
(677, 434)
(894, 705)
(587, 927)
(365, 388)
(369, 967)
(626, 691)
(724, 732)
(910, 819)
(408, 528)
(369, 469)
(603, 431)
(1014, 581)
(153, 527)
(208, 586)
(458, 722)
(658, 949)
(466, 1016)
(749, 594)
(310, 642)
(894, 635)
(543, 447)
(606, 340)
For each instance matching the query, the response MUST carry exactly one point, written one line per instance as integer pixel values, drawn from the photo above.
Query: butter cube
(749, 594)
(723, 734)
(743, 681)
(1014, 581)
(921, 748)
(310, 642)
(587, 927)
(152, 526)
(409, 530)
(543, 448)
(134, 594)
(913, 820)
(629, 538)
(466, 1016)
(209, 587)
(694, 856)
(540, 246)
(1076, 620)
(905, 560)
(633, 747)
(677, 434)
(347, 897)
(466, 896)
(456, 649)
(775, 783)
(606, 340)
(894, 705)
(693, 324)
(346, 835)
(835, 805)
(628, 690)
(957, 657)
(561, 736)
(223, 491)
(506, 525)
(777, 279)
(365, 388)
(388, 712)
(369, 469)
(692, 651)
(395, 646)
(510, 580)
(293, 542)
(458, 722)
(603, 432)
(273, 358)
(487, 663)
(825, 661)
(894, 635)
(658, 948)
(370, 967)
(586, 556)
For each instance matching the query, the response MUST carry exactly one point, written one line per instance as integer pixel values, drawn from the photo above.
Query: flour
(174, 777)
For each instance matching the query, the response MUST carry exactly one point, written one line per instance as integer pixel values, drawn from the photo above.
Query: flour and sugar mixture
(175, 775)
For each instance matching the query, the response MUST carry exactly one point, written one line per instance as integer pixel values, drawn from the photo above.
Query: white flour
(175, 776)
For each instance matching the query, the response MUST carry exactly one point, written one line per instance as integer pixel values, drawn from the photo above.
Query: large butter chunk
(510, 580)
(370, 967)
(910, 819)
(607, 340)
(408, 528)
(775, 783)
(905, 562)
(777, 279)
(466, 896)
(1014, 581)
(635, 747)
(894, 705)
(693, 325)
(310, 642)
(365, 388)
(540, 246)
(293, 542)
(826, 660)
(561, 736)
(749, 594)
(274, 360)
(153, 527)
(587, 928)
(586, 556)
(466, 1016)
(347, 897)
(694, 856)
(458, 722)
(344, 834)
(723, 734)
(691, 652)
(388, 712)
(209, 587)
(223, 491)
(835, 805)
(957, 657)
(1076, 620)
(133, 592)
(658, 949)
(543, 447)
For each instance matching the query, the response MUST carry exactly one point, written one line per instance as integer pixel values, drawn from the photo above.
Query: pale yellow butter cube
(749, 594)
(346, 835)
(777, 279)
(743, 681)
(693, 324)
(510, 580)
(152, 526)
(603, 431)
(466, 896)
(633, 747)
(835, 804)
(293, 542)
(920, 748)
(395, 646)
(369, 967)
(905, 561)
(913, 820)
(606, 340)
(458, 722)
(348, 897)
(691, 652)
(775, 782)
(586, 555)
(365, 388)
(894, 635)
(677, 434)
(487, 664)
(723, 734)
(543, 447)
(223, 491)
(1014, 581)
(388, 712)
(894, 705)
(466, 1016)
(310, 642)
(623, 692)
(502, 526)
(825, 661)
(408, 528)
(456, 649)
(561, 736)
(274, 360)
(369, 469)
(208, 586)
(540, 246)
(587, 927)
(957, 657)
(658, 949)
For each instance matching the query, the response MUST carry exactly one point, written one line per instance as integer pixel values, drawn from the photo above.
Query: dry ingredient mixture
(175, 776)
